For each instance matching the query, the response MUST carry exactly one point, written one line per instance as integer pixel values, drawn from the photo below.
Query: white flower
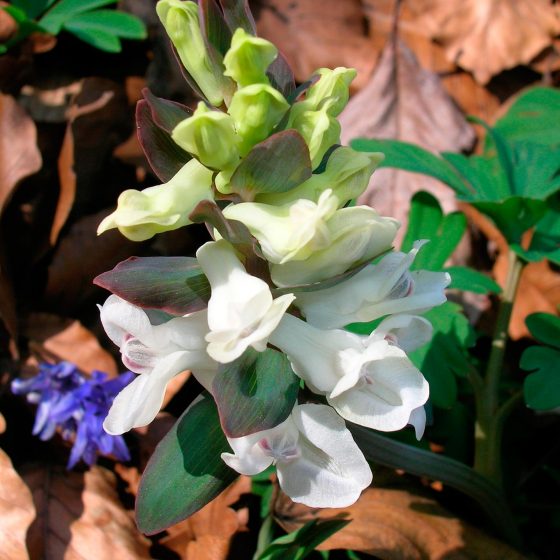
(157, 353)
(368, 380)
(418, 421)
(241, 310)
(317, 461)
(377, 290)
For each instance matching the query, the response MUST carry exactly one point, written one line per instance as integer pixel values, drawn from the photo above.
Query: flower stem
(489, 425)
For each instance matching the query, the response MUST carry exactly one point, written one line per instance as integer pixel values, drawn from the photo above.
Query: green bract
(210, 136)
(248, 58)
(333, 85)
(181, 23)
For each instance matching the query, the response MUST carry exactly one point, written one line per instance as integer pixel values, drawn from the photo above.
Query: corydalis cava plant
(260, 312)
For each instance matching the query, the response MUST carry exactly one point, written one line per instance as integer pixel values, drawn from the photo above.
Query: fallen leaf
(64, 339)
(489, 36)
(207, 534)
(314, 35)
(2, 423)
(79, 517)
(405, 102)
(396, 524)
(16, 511)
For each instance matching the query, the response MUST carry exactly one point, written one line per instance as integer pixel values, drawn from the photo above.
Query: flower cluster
(271, 162)
(76, 406)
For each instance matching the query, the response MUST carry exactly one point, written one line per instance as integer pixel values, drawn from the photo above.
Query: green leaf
(410, 157)
(214, 25)
(533, 117)
(54, 19)
(175, 285)
(166, 114)
(120, 24)
(99, 39)
(33, 8)
(426, 221)
(470, 280)
(384, 451)
(545, 327)
(255, 392)
(445, 356)
(299, 544)
(185, 471)
(542, 388)
(278, 164)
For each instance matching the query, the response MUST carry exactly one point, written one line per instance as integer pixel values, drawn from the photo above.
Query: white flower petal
(408, 332)
(418, 421)
(138, 403)
(332, 471)
(394, 388)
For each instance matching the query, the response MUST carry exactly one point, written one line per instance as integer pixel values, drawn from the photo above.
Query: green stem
(489, 426)
(265, 536)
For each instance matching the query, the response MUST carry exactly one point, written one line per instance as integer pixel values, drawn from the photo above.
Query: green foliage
(299, 544)
(255, 392)
(186, 470)
(512, 181)
(542, 388)
(101, 28)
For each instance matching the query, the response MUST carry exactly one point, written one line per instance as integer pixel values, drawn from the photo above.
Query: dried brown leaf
(393, 524)
(64, 339)
(207, 534)
(405, 102)
(16, 512)
(314, 35)
(2, 423)
(488, 36)
(81, 518)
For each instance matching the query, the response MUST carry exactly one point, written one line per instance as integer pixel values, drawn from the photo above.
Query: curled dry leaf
(313, 35)
(16, 511)
(395, 524)
(488, 36)
(405, 102)
(207, 534)
(64, 339)
(79, 517)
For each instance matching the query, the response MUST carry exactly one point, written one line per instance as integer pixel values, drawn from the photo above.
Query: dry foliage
(80, 517)
(16, 512)
(405, 102)
(398, 525)
(489, 36)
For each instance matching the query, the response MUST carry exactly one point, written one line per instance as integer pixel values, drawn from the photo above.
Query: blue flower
(76, 405)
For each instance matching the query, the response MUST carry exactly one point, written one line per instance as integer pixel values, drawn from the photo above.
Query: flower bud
(142, 214)
(332, 85)
(181, 23)
(256, 110)
(248, 58)
(347, 174)
(210, 136)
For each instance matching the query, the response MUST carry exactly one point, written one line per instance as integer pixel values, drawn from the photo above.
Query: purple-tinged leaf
(175, 285)
(163, 154)
(278, 164)
(255, 392)
(185, 471)
(238, 14)
(214, 25)
(281, 76)
(166, 114)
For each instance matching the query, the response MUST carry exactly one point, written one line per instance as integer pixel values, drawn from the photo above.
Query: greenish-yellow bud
(142, 214)
(256, 110)
(248, 58)
(210, 136)
(333, 85)
(347, 174)
(181, 23)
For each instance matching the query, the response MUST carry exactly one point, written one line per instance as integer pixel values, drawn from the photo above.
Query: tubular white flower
(418, 421)
(317, 461)
(377, 290)
(157, 353)
(368, 380)
(241, 310)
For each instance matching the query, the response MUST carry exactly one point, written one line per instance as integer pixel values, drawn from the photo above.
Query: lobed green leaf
(542, 388)
(470, 280)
